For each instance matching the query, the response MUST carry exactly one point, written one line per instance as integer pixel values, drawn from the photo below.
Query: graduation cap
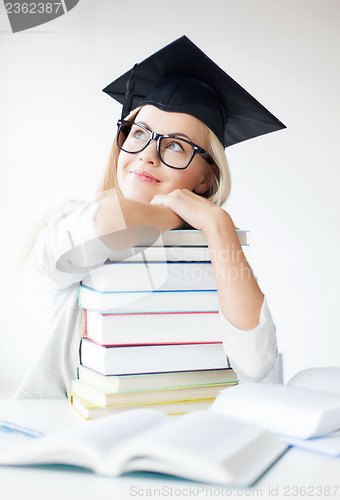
(181, 78)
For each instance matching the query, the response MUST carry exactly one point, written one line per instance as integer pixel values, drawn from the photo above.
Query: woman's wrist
(218, 222)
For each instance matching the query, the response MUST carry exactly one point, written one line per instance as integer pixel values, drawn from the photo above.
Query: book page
(87, 445)
(203, 446)
(328, 445)
(323, 379)
(281, 409)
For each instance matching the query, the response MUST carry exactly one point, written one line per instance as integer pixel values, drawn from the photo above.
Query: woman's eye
(176, 147)
(139, 134)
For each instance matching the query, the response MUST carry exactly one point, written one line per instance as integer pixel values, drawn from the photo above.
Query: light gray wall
(56, 127)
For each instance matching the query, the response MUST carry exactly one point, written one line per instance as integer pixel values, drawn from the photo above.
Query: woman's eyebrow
(172, 133)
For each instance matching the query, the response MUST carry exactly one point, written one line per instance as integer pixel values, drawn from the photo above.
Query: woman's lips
(143, 176)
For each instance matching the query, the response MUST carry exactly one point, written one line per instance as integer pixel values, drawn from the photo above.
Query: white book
(322, 378)
(103, 397)
(156, 328)
(328, 444)
(152, 358)
(171, 245)
(176, 245)
(282, 409)
(197, 253)
(139, 276)
(150, 381)
(194, 237)
(200, 446)
(90, 410)
(148, 302)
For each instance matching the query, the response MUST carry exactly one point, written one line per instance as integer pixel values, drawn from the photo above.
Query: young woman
(167, 169)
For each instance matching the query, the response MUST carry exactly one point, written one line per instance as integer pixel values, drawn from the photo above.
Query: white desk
(297, 474)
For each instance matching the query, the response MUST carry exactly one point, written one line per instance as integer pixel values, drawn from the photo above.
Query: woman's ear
(207, 180)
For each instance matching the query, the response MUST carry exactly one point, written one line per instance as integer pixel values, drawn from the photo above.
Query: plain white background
(56, 127)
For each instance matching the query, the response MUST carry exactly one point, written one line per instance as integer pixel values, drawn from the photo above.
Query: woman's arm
(80, 235)
(249, 332)
(115, 215)
(239, 295)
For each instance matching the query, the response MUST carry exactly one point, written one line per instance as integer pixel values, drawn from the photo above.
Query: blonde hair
(109, 180)
(218, 192)
(220, 189)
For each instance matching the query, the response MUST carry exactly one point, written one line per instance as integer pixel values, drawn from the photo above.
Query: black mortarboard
(181, 78)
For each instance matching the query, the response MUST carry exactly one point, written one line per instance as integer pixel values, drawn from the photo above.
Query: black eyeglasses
(174, 152)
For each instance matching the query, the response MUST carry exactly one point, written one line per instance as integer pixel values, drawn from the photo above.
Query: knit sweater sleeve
(68, 246)
(252, 353)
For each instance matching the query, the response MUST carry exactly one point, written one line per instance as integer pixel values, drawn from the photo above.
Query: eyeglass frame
(154, 136)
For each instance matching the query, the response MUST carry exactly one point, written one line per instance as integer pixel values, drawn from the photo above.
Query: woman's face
(142, 175)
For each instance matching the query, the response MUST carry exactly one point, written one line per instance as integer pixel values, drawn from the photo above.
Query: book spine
(154, 301)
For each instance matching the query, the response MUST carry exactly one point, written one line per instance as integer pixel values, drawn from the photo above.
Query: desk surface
(297, 474)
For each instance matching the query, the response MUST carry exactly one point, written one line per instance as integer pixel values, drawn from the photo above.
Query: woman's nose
(149, 154)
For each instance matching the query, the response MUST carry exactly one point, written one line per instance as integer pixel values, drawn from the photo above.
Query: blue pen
(11, 427)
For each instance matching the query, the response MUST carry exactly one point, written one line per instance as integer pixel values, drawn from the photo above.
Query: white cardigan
(252, 353)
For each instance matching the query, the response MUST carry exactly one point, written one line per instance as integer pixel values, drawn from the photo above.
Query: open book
(200, 446)
(282, 409)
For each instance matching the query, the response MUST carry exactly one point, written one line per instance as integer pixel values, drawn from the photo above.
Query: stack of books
(153, 331)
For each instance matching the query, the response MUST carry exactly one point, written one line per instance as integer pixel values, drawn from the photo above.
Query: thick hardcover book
(103, 397)
(152, 358)
(184, 245)
(194, 237)
(91, 410)
(135, 276)
(149, 381)
(177, 245)
(200, 446)
(146, 301)
(155, 328)
(197, 253)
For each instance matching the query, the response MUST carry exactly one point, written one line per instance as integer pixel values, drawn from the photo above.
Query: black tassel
(130, 87)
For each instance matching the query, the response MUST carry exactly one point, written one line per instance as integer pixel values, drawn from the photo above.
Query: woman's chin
(142, 197)
(143, 191)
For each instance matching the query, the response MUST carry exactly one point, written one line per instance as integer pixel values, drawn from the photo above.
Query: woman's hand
(193, 209)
